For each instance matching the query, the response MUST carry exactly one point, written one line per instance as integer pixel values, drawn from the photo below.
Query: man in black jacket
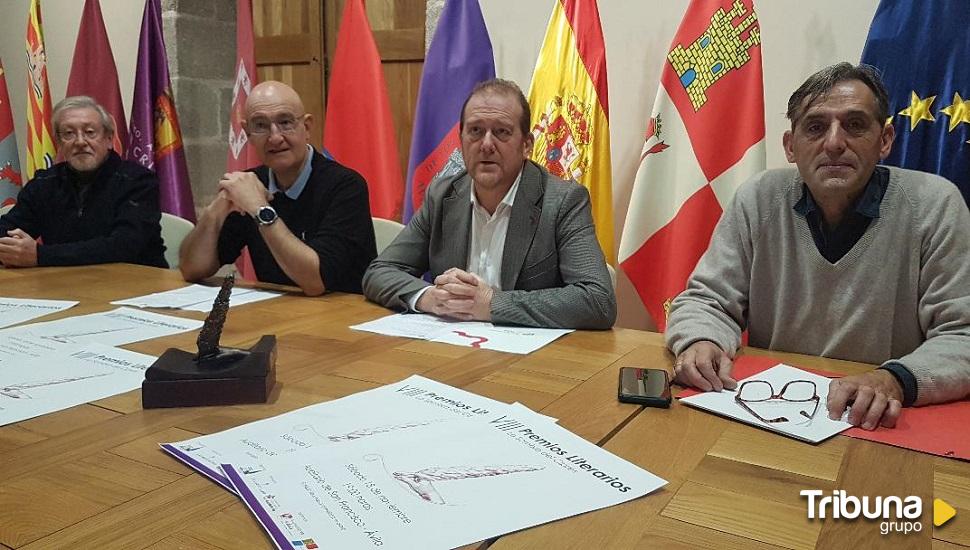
(93, 208)
(305, 218)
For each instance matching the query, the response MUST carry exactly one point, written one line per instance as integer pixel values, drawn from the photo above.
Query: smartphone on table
(648, 387)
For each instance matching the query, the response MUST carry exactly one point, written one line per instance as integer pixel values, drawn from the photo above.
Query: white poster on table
(196, 298)
(19, 310)
(471, 334)
(401, 407)
(444, 485)
(73, 376)
(111, 328)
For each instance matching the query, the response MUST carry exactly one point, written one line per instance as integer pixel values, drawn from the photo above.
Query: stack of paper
(47, 367)
(416, 464)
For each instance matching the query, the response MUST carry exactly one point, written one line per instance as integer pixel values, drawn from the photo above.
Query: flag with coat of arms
(40, 138)
(704, 138)
(570, 108)
(155, 138)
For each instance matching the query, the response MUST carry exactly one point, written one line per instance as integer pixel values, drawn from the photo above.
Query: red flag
(93, 71)
(241, 154)
(10, 178)
(359, 131)
(705, 137)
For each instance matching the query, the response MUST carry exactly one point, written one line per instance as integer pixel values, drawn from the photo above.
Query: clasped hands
(240, 192)
(874, 398)
(460, 295)
(18, 249)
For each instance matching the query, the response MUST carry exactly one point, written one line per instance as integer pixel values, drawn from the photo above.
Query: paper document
(19, 310)
(406, 405)
(441, 484)
(196, 298)
(112, 328)
(474, 334)
(782, 399)
(935, 429)
(73, 376)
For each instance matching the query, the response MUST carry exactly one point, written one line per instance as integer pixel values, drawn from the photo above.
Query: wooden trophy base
(176, 379)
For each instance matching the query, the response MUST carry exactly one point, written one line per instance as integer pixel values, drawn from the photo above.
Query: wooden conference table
(93, 477)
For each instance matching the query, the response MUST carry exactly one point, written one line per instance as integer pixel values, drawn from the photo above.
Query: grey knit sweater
(901, 293)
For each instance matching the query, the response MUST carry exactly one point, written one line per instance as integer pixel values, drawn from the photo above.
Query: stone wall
(432, 14)
(200, 39)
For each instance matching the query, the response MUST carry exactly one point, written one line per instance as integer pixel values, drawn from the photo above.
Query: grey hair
(501, 86)
(82, 102)
(821, 83)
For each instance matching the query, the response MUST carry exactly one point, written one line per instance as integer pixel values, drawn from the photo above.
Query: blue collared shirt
(294, 191)
(836, 242)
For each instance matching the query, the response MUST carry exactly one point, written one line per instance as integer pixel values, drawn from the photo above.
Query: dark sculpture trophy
(215, 375)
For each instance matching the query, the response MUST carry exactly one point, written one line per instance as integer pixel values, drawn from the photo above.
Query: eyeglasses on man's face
(285, 124)
(761, 391)
(71, 135)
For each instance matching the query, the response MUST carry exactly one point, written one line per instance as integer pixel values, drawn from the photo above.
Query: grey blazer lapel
(456, 222)
(523, 224)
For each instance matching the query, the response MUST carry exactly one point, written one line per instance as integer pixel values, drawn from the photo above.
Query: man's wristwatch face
(266, 215)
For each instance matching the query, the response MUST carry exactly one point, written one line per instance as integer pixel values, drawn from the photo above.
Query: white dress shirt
(486, 242)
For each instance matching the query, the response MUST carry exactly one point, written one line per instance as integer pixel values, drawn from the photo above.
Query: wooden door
(295, 40)
(289, 48)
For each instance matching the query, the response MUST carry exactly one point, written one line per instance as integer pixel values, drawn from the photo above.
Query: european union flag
(923, 51)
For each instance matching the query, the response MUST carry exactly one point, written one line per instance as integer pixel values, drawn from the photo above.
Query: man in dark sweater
(305, 219)
(93, 208)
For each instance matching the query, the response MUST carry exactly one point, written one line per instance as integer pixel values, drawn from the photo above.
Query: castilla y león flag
(460, 56)
(705, 137)
(570, 109)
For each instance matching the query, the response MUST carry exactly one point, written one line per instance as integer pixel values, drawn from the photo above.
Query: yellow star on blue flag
(919, 109)
(923, 62)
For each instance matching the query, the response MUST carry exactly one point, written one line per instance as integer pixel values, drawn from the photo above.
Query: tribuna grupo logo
(897, 514)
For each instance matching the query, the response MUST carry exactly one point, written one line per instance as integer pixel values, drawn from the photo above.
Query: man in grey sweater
(840, 258)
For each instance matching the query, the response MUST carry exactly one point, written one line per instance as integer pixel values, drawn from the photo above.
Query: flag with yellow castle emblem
(705, 136)
(570, 109)
(923, 52)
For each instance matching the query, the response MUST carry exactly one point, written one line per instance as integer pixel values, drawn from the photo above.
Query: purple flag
(460, 57)
(155, 140)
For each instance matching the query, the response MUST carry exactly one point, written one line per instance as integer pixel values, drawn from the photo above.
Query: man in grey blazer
(504, 240)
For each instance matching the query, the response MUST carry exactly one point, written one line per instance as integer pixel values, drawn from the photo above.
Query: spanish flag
(40, 143)
(570, 109)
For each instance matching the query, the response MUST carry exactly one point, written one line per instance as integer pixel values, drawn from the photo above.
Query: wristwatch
(266, 215)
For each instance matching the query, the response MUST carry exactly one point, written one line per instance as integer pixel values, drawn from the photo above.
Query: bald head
(273, 94)
(278, 127)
